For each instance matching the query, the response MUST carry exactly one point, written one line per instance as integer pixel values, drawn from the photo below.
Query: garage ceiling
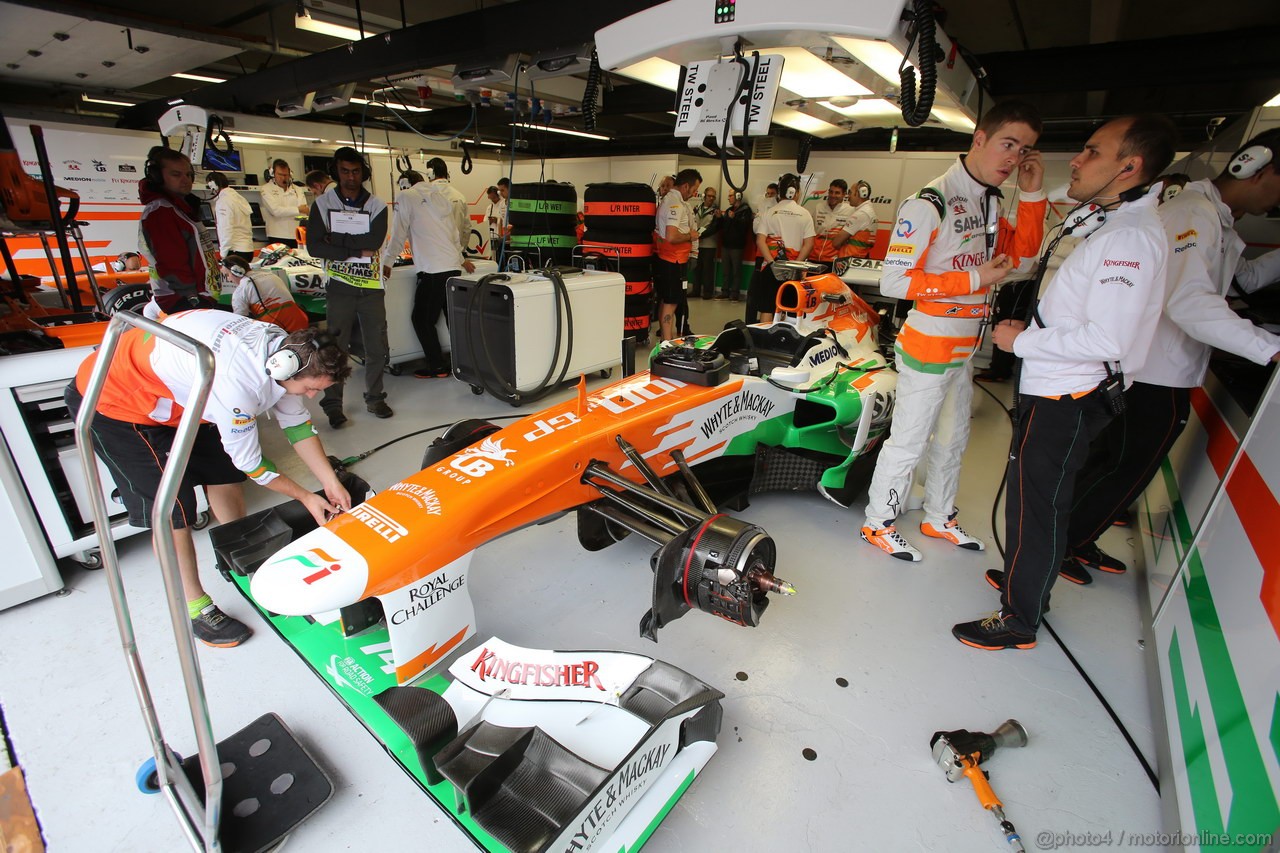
(1079, 62)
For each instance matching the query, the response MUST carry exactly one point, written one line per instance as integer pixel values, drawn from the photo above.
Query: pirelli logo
(1190, 232)
(901, 249)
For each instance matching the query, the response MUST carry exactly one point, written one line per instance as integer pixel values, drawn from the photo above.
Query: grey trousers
(731, 270)
(346, 304)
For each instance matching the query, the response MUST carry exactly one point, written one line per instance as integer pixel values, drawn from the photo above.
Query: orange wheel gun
(960, 752)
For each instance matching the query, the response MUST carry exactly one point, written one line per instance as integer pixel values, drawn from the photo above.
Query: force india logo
(321, 563)
(488, 665)
(476, 461)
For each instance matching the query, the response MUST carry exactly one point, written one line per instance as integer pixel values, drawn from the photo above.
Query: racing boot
(951, 531)
(887, 539)
(1092, 557)
(215, 628)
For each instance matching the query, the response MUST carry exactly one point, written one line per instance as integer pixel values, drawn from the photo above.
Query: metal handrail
(200, 822)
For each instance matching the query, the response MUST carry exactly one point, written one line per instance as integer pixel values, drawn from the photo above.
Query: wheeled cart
(243, 794)
(515, 332)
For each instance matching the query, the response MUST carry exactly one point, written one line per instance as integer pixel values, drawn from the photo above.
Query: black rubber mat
(270, 784)
(519, 783)
(426, 718)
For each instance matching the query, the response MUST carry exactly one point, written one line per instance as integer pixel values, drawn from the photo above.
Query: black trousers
(1125, 458)
(1050, 446)
(428, 302)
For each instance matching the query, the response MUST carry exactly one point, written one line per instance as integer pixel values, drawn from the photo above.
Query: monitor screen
(222, 161)
(311, 162)
(206, 214)
(255, 214)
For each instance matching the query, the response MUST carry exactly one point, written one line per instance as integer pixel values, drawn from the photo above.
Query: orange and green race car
(803, 402)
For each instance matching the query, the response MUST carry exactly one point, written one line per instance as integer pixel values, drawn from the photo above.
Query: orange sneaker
(951, 531)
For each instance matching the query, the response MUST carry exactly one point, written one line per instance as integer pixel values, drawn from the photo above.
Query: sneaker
(721, 297)
(379, 409)
(215, 628)
(887, 539)
(951, 531)
(337, 419)
(432, 373)
(1093, 557)
(992, 634)
(1122, 520)
(988, 376)
(1072, 571)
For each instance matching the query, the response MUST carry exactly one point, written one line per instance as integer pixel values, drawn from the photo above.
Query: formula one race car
(790, 405)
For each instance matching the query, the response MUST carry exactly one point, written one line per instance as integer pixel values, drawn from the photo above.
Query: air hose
(916, 109)
(589, 96)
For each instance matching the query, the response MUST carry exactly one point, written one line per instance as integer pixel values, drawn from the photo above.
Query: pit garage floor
(829, 704)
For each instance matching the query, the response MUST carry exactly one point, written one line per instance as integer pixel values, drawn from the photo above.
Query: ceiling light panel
(810, 77)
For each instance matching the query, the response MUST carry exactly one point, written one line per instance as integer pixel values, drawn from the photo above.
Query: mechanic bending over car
(258, 369)
(950, 243)
(1205, 255)
(1091, 333)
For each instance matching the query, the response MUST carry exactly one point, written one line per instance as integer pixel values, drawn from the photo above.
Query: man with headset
(262, 295)
(347, 230)
(1206, 256)
(433, 215)
(258, 369)
(1094, 326)
(860, 231)
(830, 217)
(785, 232)
(283, 205)
(950, 243)
(180, 250)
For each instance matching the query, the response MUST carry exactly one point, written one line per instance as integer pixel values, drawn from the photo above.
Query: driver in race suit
(950, 244)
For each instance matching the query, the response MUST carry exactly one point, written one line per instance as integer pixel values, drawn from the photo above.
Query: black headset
(863, 190)
(347, 154)
(151, 169)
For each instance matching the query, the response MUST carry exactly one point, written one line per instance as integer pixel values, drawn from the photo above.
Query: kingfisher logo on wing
(904, 229)
(582, 674)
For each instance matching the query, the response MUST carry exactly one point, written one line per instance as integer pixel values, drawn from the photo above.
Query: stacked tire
(619, 220)
(544, 221)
